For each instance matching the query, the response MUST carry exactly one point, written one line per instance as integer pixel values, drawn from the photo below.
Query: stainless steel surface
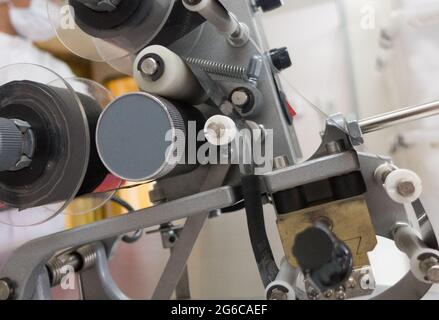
(398, 117)
(280, 162)
(311, 171)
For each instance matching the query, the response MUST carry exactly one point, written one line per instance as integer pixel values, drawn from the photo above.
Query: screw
(5, 290)
(406, 188)
(313, 294)
(328, 293)
(340, 294)
(149, 66)
(333, 147)
(351, 283)
(278, 294)
(431, 268)
(240, 98)
(366, 283)
(280, 162)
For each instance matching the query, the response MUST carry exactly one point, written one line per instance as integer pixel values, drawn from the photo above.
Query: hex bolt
(406, 188)
(313, 294)
(328, 293)
(5, 290)
(366, 282)
(431, 268)
(350, 284)
(340, 294)
(240, 98)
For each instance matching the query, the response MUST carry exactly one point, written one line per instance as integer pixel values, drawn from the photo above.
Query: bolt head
(367, 283)
(433, 274)
(406, 188)
(328, 293)
(5, 290)
(240, 98)
(149, 66)
(340, 295)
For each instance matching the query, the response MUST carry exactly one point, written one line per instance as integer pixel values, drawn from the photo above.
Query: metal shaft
(398, 117)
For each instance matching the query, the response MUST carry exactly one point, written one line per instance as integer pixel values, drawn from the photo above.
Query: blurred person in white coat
(23, 22)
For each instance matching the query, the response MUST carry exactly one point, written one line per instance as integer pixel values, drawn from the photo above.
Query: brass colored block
(349, 219)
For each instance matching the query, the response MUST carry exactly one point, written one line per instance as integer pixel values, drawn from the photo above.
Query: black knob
(268, 5)
(325, 259)
(280, 58)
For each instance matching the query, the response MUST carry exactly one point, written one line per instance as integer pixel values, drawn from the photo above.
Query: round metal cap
(137, 135)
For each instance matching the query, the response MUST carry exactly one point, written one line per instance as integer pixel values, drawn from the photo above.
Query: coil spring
(218, 68)
(84, 258)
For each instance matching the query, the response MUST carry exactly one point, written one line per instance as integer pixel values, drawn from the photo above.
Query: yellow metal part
(350, 222)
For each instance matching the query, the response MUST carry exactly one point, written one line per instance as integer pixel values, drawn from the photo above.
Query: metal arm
(398, 117)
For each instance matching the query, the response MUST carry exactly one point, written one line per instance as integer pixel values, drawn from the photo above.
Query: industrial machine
(213, 128)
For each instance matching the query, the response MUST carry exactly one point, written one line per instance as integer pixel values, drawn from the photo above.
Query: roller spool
(54, 145)
(160, 71)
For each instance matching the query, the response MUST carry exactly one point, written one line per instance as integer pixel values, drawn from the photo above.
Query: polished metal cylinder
(398, 117)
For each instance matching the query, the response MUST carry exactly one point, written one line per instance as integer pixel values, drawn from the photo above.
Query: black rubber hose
(251, 190)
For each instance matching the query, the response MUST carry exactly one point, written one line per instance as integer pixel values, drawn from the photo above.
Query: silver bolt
(351, 283)
(406, 188)
(340, 294)
(149, 66)
(431, 268)
(333, 147)
(278, 294)
(240, 98)
(366, 282)
(328, 293)
(5, 290)
(280, 162)
(313, 294)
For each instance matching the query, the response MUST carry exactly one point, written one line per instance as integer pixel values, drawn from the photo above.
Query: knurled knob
(11, 144)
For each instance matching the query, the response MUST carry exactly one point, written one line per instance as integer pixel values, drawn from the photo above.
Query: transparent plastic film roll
(43, 182)
(116, 36)
(49, 163)
(62, 18)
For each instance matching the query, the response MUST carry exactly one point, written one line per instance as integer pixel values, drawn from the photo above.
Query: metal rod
(398, 117)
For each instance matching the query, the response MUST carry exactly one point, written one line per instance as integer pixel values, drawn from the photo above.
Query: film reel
(116, 35)
(48, 155)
